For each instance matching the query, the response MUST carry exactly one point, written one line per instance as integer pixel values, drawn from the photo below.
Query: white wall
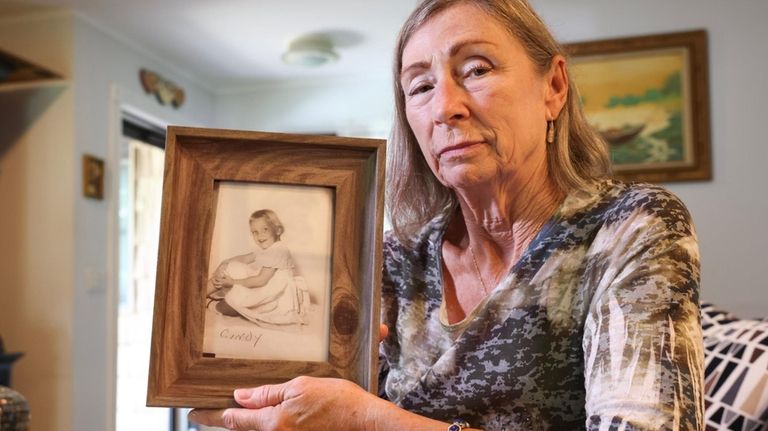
(106, 80)
(728, 211)
(348, 106)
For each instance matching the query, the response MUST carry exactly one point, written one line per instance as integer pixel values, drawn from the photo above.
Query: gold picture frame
(202, 167)
(93, 177)
(648, 96)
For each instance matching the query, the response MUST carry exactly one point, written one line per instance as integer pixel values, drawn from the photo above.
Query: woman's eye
(419, 89)
(478, 70)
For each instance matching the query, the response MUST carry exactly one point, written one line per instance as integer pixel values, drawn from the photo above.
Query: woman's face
(262, 234)
(474, 100)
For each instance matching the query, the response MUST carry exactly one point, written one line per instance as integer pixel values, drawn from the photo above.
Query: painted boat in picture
(618, 136)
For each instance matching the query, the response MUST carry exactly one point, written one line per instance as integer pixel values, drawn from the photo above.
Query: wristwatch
(458, 425)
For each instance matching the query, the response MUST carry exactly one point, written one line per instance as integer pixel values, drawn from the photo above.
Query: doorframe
(119, 105)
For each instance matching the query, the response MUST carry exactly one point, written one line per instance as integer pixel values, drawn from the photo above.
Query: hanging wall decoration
(93, 177)
(648, 96)
(166, 92)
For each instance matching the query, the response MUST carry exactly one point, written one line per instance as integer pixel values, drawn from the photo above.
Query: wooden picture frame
(649, 98)
(199, 164)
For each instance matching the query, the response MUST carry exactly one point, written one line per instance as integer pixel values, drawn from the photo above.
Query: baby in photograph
(262, 285)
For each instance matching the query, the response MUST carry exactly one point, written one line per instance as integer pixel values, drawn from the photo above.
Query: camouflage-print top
(596, 326)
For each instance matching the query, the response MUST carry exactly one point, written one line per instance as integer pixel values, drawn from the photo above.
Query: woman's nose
(449, 102)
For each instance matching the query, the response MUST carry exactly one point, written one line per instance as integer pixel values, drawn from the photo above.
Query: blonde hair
(270, 217)
(576, 158)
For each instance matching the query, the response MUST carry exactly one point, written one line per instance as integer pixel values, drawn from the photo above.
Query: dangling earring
(550, 131)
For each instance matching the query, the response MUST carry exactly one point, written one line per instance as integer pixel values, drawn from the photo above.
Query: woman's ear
(556, 86)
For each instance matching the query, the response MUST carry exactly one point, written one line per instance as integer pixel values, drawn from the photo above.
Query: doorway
(142, 157)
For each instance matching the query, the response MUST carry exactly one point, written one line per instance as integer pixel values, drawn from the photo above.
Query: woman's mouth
(459, 149)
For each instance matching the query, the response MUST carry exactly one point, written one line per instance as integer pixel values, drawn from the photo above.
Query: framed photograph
(93, 177)
(269, 263)
(648, 97)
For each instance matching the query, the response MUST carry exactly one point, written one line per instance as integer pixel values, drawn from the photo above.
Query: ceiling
(226, 44)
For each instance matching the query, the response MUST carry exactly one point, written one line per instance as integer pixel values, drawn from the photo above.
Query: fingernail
(242, 393)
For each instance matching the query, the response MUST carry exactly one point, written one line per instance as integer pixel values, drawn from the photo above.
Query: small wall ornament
(166, 92)
(93, 178)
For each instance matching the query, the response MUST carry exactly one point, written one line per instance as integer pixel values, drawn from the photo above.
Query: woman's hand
(304, 403)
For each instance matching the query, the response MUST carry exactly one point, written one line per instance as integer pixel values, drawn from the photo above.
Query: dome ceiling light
(310, 51)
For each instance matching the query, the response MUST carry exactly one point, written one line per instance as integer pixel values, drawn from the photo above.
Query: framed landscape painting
(648, 98)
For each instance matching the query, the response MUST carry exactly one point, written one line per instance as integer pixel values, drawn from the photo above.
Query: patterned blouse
(596, 327)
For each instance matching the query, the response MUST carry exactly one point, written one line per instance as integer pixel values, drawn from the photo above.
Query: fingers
(207, 417)
(259, 408)
(304, 402)
(232, 419)
(263, 396)
(383, 332)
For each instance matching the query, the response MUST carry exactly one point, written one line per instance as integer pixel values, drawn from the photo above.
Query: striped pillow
(736, 371)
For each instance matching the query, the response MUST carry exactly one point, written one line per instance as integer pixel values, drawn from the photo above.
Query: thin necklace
(477, 270)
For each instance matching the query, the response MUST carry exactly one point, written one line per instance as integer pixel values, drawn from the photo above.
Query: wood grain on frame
(196, 160)
(694, 44)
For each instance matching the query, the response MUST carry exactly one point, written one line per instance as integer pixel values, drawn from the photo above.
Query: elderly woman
(522, 289)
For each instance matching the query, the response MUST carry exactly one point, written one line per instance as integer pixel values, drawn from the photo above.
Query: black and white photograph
(269, 263)
(269, 277)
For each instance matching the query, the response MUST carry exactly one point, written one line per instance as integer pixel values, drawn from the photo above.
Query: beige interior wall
(37, 218)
